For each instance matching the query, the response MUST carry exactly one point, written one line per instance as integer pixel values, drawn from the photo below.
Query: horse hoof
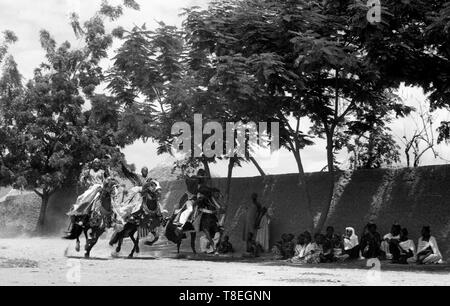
(138, 251)
(130, 256)
(118, 250)
(87, 256)
(77, 248)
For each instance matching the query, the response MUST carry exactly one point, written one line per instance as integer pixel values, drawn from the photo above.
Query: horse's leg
(178, 246)
(85, 230)
(209, 238)
(134, 243)
(193, 237)
(155, 234)
(119, 244)
(92, 241)
(137, 249)
(77, 244)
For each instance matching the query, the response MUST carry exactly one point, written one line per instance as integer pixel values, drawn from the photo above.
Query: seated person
(278, 248)
(285, 248)
(318, 249)
(331, 243)
(289, 247)
(306, 251)
(350, 245)
(406, 249)
(225, 246)
(427, 248)
(390, 241)
(371, 242)
(253, 249)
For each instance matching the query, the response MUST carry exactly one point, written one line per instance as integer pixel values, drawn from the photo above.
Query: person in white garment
(391, 240)
(188, 202)
(94, 178)
(427, 249)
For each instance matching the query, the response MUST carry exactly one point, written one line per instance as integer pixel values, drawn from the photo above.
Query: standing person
(251, 218)
(262, 228)
(427, 248)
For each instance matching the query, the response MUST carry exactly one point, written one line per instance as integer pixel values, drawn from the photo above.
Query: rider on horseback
(94, 179)
(196, 189)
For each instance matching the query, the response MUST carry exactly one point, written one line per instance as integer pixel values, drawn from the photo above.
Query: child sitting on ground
(225, 246)
(253, 249)
(306, 251)
(284, 248)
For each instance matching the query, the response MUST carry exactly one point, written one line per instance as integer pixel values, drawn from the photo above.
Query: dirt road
(42, 262)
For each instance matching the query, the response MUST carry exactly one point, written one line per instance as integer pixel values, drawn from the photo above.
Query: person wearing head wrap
(138, 180)
(94, 179)
(350, 244)
(427, 248)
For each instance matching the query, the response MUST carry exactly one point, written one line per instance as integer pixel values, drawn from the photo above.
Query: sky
(26, 18)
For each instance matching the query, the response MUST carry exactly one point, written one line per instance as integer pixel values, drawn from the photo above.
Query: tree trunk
(206, 166)
(304, 185)
(331, 177)
(261, 171)
(42, 213)
(408, 162)
(229, 177)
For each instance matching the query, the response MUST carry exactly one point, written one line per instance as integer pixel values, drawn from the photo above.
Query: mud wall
(412, 197)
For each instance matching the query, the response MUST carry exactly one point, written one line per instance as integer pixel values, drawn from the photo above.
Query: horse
(208, 223)
(96, 221)
(147, 219)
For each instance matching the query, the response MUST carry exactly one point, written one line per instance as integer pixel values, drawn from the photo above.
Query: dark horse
(208, 223)
(96, 221)
(147, 219)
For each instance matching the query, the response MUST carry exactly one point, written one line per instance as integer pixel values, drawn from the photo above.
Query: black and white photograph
(224, 148)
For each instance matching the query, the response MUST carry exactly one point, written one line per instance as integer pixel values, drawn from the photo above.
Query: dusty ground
(42, 262)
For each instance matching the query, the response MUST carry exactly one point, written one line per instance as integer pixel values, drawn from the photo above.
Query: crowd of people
(395, 246)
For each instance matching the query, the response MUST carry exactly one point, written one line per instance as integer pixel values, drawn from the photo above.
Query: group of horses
(102, 216)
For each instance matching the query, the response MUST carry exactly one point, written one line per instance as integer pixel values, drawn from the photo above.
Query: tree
(52, 136)
(422, 139)
(290, 60)
(8, 38)
(10, 89)
(373, 149)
